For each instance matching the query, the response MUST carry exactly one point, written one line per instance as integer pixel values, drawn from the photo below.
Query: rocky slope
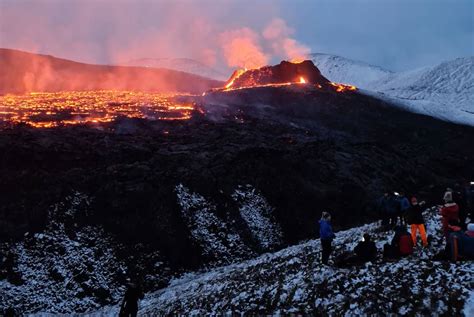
(292, 281)
(249, 173)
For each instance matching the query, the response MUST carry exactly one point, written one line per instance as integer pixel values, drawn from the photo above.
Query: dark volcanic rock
(285, 72)
(302, 149)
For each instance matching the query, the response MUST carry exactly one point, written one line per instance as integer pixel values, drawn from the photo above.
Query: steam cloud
(278, 33)
(243, 48)
(114, 33)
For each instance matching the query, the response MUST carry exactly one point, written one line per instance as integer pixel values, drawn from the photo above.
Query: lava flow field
(46, 110)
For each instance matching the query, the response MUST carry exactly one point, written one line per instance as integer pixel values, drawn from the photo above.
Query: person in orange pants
(421, 228)
(415, 220)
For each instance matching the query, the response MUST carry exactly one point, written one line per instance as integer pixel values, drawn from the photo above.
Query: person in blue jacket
(327, 235)
(404, 207)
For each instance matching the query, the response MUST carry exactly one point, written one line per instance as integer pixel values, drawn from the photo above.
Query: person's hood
(449, 204)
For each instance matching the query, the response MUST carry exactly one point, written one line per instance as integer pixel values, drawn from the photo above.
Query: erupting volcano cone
(283, 73)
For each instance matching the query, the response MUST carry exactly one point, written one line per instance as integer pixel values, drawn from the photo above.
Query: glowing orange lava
(234, 76)
(47, 110)
(302, 80)
(343, 87)
(297, 60)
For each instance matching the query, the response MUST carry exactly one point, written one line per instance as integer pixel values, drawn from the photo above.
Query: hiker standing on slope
(415, 219)
(449, 212)
(327, 235)
(393, 209)
(404, 206)
(129, 307)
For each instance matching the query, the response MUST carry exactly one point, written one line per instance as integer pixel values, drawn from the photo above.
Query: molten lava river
(46, 110)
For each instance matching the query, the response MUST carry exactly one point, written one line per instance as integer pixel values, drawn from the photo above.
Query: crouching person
(401, 245)
(460, 245)
(364, 252)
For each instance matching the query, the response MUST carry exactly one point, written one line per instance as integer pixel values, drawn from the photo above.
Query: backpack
(406, 245)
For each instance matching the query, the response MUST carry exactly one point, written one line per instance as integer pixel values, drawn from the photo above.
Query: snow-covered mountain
(444, 91)
(186, 65)
(342, 70)
(293, 281)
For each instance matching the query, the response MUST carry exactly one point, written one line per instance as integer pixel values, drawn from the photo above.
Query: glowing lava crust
(284, 74)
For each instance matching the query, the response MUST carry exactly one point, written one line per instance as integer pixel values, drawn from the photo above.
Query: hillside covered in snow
(444, 91)
(294, 281)
(343, 70)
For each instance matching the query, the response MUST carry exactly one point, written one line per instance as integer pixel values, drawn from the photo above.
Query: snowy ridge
(62, 270)
(293, 281)
(180, 64)
(257, 213)
(444, 91)
(342, 70)
(216, 238)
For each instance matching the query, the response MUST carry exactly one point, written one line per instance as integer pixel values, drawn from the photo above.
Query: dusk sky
(396, 35)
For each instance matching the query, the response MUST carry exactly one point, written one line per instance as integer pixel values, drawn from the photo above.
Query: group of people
(398, 212)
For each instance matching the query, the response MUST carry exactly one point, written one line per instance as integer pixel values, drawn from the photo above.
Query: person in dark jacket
(389, 208)
(382, 205)
(393, 209)
(460, 198)
(129, 305)
(460, 244)
(404, 206)
(326, 235)
(415, 219)
(366, 250)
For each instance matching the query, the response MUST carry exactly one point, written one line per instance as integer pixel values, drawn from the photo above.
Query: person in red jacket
(449, 212)
(401, 245)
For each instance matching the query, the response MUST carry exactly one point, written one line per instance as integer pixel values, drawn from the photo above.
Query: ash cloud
(394, 34)
(223, 34)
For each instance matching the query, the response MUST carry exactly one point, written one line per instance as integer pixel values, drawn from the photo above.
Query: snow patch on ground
(217, 239)
(258, 214)
(61, 270)
(469, 306)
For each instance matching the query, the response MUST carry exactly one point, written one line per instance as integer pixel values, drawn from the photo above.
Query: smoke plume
(221, 34)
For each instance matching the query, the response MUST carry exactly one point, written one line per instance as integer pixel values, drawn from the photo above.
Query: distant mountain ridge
(186, 65)
(343, 70)
(444, 91)
(25, 72)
